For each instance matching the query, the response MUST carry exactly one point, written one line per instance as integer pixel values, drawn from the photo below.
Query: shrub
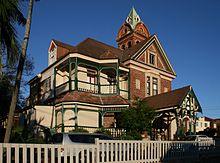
(102, 130)
(79, 130)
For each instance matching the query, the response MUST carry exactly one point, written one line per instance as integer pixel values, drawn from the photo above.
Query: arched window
(137, 41)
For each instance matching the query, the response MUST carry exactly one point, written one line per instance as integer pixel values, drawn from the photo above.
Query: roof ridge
(62, 43)
(92, 39)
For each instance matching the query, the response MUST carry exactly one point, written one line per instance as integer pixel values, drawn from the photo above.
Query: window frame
(152, 58)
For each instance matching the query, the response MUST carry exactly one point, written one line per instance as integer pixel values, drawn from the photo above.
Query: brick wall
(165, 84)
(135, 74)
(109, 120)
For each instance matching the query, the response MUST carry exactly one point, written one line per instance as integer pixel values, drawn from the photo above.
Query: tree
(10, 14)
(19, 73)
(6, 88)
(137, 119)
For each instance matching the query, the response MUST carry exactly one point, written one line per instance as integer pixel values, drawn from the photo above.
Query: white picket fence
(109, 151)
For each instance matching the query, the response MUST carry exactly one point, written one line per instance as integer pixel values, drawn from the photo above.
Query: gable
(154, 48)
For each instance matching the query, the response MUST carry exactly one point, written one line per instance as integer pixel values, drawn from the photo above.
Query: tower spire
(133, 18)
(132, 31)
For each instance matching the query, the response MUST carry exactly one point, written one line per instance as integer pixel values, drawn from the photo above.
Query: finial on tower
(133, 18)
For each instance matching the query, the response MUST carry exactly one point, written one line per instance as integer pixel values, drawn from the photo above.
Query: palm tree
(10, 14)
(19, 73)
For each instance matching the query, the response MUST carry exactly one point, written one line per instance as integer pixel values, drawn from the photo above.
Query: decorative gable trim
(192, 94)
(52, 43)
(148, 44)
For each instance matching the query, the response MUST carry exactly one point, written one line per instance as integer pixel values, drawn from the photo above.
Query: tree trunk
(19, 74)
(1, 62)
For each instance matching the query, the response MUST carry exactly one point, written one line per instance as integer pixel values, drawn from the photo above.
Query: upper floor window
(91, 79)
(155, 86)
(152, 59)
(112, 84)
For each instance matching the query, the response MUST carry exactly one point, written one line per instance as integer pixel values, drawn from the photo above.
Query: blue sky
(189, 32)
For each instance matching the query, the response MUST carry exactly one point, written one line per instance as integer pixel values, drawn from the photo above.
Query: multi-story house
(87, 85)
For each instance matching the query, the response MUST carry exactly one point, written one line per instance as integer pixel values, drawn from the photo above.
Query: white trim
(94, 105)
(147, 74)
(93, 59)
(164, 109)
(164, 77)
(144, 68)
(52, 42)
(123, 69)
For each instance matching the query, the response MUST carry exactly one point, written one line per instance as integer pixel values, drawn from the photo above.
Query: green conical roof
(133, 18)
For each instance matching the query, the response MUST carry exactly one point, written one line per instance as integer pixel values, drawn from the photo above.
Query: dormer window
(152, 59)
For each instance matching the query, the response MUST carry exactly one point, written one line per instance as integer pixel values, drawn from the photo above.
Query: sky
(188, 30)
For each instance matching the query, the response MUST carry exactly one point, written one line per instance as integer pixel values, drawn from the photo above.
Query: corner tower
(132, 31)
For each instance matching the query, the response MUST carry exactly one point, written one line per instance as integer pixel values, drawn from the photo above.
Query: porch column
(177, 124)
(76, 116)
(54, 82)
(190, 114)
(70, 78)
(62, 111)
(129, 75)
(55, 119)
(101, 119)
(117, 84)
(98, 81)
(182, 125)
(76, 74)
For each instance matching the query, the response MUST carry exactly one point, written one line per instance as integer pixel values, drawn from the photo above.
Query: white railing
(108, 151)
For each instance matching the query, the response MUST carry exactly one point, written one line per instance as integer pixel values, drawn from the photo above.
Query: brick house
(87, 85)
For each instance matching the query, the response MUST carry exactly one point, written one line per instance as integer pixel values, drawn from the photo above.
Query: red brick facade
(165, 84)
(109, 120)
(134, 92)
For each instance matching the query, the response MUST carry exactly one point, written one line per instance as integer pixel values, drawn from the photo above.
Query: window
(206, 125)
(112, 84)
(155, 86)
(148, 85)
(152, 59)
(137, 41)
(138, 85)
(91, 79)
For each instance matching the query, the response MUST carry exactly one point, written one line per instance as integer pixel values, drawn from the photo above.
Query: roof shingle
(87, 97)
(168, 99)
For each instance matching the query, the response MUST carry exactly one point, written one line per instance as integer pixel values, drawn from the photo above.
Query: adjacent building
(88, 84)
